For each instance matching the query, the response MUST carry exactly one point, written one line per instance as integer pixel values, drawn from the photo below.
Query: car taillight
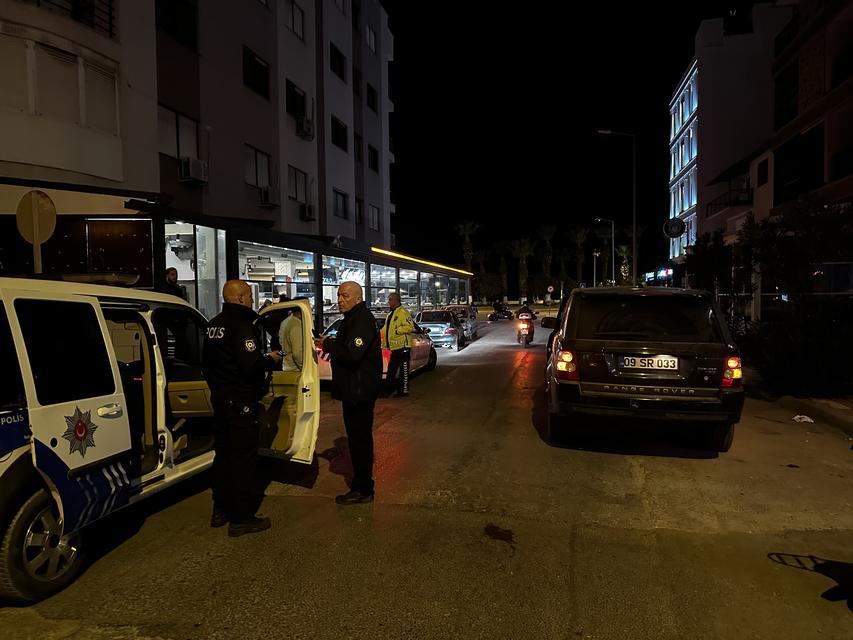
(732, 373)
(449, 332)
(566, 367)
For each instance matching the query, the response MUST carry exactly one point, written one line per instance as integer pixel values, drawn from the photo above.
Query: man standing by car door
(398, 327)
(356, 377)
(236, 372)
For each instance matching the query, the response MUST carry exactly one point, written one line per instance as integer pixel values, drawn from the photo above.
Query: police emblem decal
(250, 346)
(359, 342)
(80, 431)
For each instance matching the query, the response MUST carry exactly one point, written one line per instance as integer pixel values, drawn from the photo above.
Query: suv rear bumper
(723, 407)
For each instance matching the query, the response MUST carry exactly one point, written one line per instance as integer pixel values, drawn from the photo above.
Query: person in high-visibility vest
(395, 336)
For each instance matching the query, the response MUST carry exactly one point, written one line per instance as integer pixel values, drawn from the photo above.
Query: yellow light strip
(402, 256)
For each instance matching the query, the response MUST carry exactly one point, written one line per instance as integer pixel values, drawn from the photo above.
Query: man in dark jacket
(356, 355)
(171, 285)
(236, 372)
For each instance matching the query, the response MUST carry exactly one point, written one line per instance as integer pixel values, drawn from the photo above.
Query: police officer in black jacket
(356, 354)
(236, 372)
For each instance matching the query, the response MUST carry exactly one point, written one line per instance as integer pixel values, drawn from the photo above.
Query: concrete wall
(56, 137)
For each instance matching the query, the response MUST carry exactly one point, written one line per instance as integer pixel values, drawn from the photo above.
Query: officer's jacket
(398, 326)
(234, 364)
(356, 357)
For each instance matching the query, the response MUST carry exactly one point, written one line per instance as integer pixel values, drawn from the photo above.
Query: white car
(423, 352)
(467, 314)
(104, 404)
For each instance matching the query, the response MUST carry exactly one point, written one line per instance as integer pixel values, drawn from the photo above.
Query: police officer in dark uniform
(236, 373)
(356, 355)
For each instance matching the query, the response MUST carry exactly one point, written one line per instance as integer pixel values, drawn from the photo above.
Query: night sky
(497, 112)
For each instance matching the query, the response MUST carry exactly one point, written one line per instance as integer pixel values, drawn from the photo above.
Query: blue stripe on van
(14, 430)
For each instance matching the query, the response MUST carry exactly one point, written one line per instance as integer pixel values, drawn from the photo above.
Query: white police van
(102, 404)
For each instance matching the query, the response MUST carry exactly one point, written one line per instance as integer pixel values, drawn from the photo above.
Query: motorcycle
(501, 312)
(524, 334)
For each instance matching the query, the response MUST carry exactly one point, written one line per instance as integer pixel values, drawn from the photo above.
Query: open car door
(78, 415)
(292, 415)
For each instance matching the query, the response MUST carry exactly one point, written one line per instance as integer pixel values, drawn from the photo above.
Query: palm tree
(577, 236)
(604, 234)
(545, 235)
(479, 258)
(522, 249)
(563, 254)
(500, 249)
(466, 229)
(624, 252)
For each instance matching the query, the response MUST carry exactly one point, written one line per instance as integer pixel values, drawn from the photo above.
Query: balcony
(100, 15)
(733, 198)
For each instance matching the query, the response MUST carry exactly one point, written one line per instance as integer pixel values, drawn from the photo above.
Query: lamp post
(612, 246)
(608, 132)
(595, 255)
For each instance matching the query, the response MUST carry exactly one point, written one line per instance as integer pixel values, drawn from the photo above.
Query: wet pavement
(482, 529)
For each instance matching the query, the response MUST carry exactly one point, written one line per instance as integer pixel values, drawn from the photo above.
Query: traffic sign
(36, 219)
(674, 227)
(550, 289)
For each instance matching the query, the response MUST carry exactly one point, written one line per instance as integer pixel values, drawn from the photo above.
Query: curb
(818, 411)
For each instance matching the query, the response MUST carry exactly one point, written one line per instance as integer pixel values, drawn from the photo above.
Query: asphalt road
(481, 529)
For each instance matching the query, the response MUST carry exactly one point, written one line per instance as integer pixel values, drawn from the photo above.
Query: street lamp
(612, 246)
(608, 132)
(595, 255)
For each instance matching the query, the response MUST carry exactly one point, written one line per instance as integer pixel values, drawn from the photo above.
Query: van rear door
(81, 435)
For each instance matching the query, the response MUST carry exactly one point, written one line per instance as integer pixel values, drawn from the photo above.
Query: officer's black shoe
(252, 525)
(354, 497)
(218, 519)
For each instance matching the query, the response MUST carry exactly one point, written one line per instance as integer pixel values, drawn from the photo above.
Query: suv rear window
(644, 318)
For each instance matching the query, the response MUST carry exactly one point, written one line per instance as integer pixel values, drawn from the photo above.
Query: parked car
(423, 352)
(444, 327)
(660, 353)
(467, 314)
(107, 412)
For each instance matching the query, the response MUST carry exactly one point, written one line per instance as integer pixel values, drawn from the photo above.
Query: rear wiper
(621, 334)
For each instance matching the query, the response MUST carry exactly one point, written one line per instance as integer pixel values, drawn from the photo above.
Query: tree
(522, 249)
(500, 249)
(577, 236)
(604, 234)
(466, 229)
(479, 258)
(546, 234)
(624, 252)
(563, 254)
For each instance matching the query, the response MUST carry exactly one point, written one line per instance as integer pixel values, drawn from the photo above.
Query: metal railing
(100, 15)
(733, 198)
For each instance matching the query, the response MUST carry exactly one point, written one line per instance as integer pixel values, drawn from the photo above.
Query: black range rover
(650, 352)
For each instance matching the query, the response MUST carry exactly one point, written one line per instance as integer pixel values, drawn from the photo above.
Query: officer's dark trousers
(358, 420)
(398, 370)
(236, 447)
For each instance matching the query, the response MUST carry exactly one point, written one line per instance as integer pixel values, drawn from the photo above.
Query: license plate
(657, 363)
(524, 332)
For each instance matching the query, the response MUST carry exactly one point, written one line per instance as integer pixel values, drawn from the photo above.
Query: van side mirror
(549, 322)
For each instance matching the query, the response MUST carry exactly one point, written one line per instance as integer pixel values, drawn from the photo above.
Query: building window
(373, 158)
(296, 184)
(356, 80)
(358, 143)
(763, 171)
(372, 98)
(295, 99)
(295, 19)
(342, 6)
(256, 167)
(373, 217)
(256, 73)
(370, 38)
(177, 135)
(341, 209)
(178, 18)
(337, 62)
(359, 211)
(339, 134)
(356, 16)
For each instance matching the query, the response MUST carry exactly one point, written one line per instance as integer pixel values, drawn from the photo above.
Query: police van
(102, 404)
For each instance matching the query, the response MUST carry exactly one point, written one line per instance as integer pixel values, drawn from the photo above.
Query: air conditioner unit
(267, 197)
(306, 212)
(305, 128)
(193, 170)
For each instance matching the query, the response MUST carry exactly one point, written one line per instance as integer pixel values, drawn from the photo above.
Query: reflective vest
(398, 326)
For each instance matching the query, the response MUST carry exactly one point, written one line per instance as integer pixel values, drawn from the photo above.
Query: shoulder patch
(250, 345)
(358, 342)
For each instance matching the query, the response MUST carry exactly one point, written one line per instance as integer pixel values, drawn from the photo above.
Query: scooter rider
(526, 310)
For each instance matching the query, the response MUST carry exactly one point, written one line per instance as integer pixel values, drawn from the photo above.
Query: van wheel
(432, 360)
(721, 437)
(36, 560)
